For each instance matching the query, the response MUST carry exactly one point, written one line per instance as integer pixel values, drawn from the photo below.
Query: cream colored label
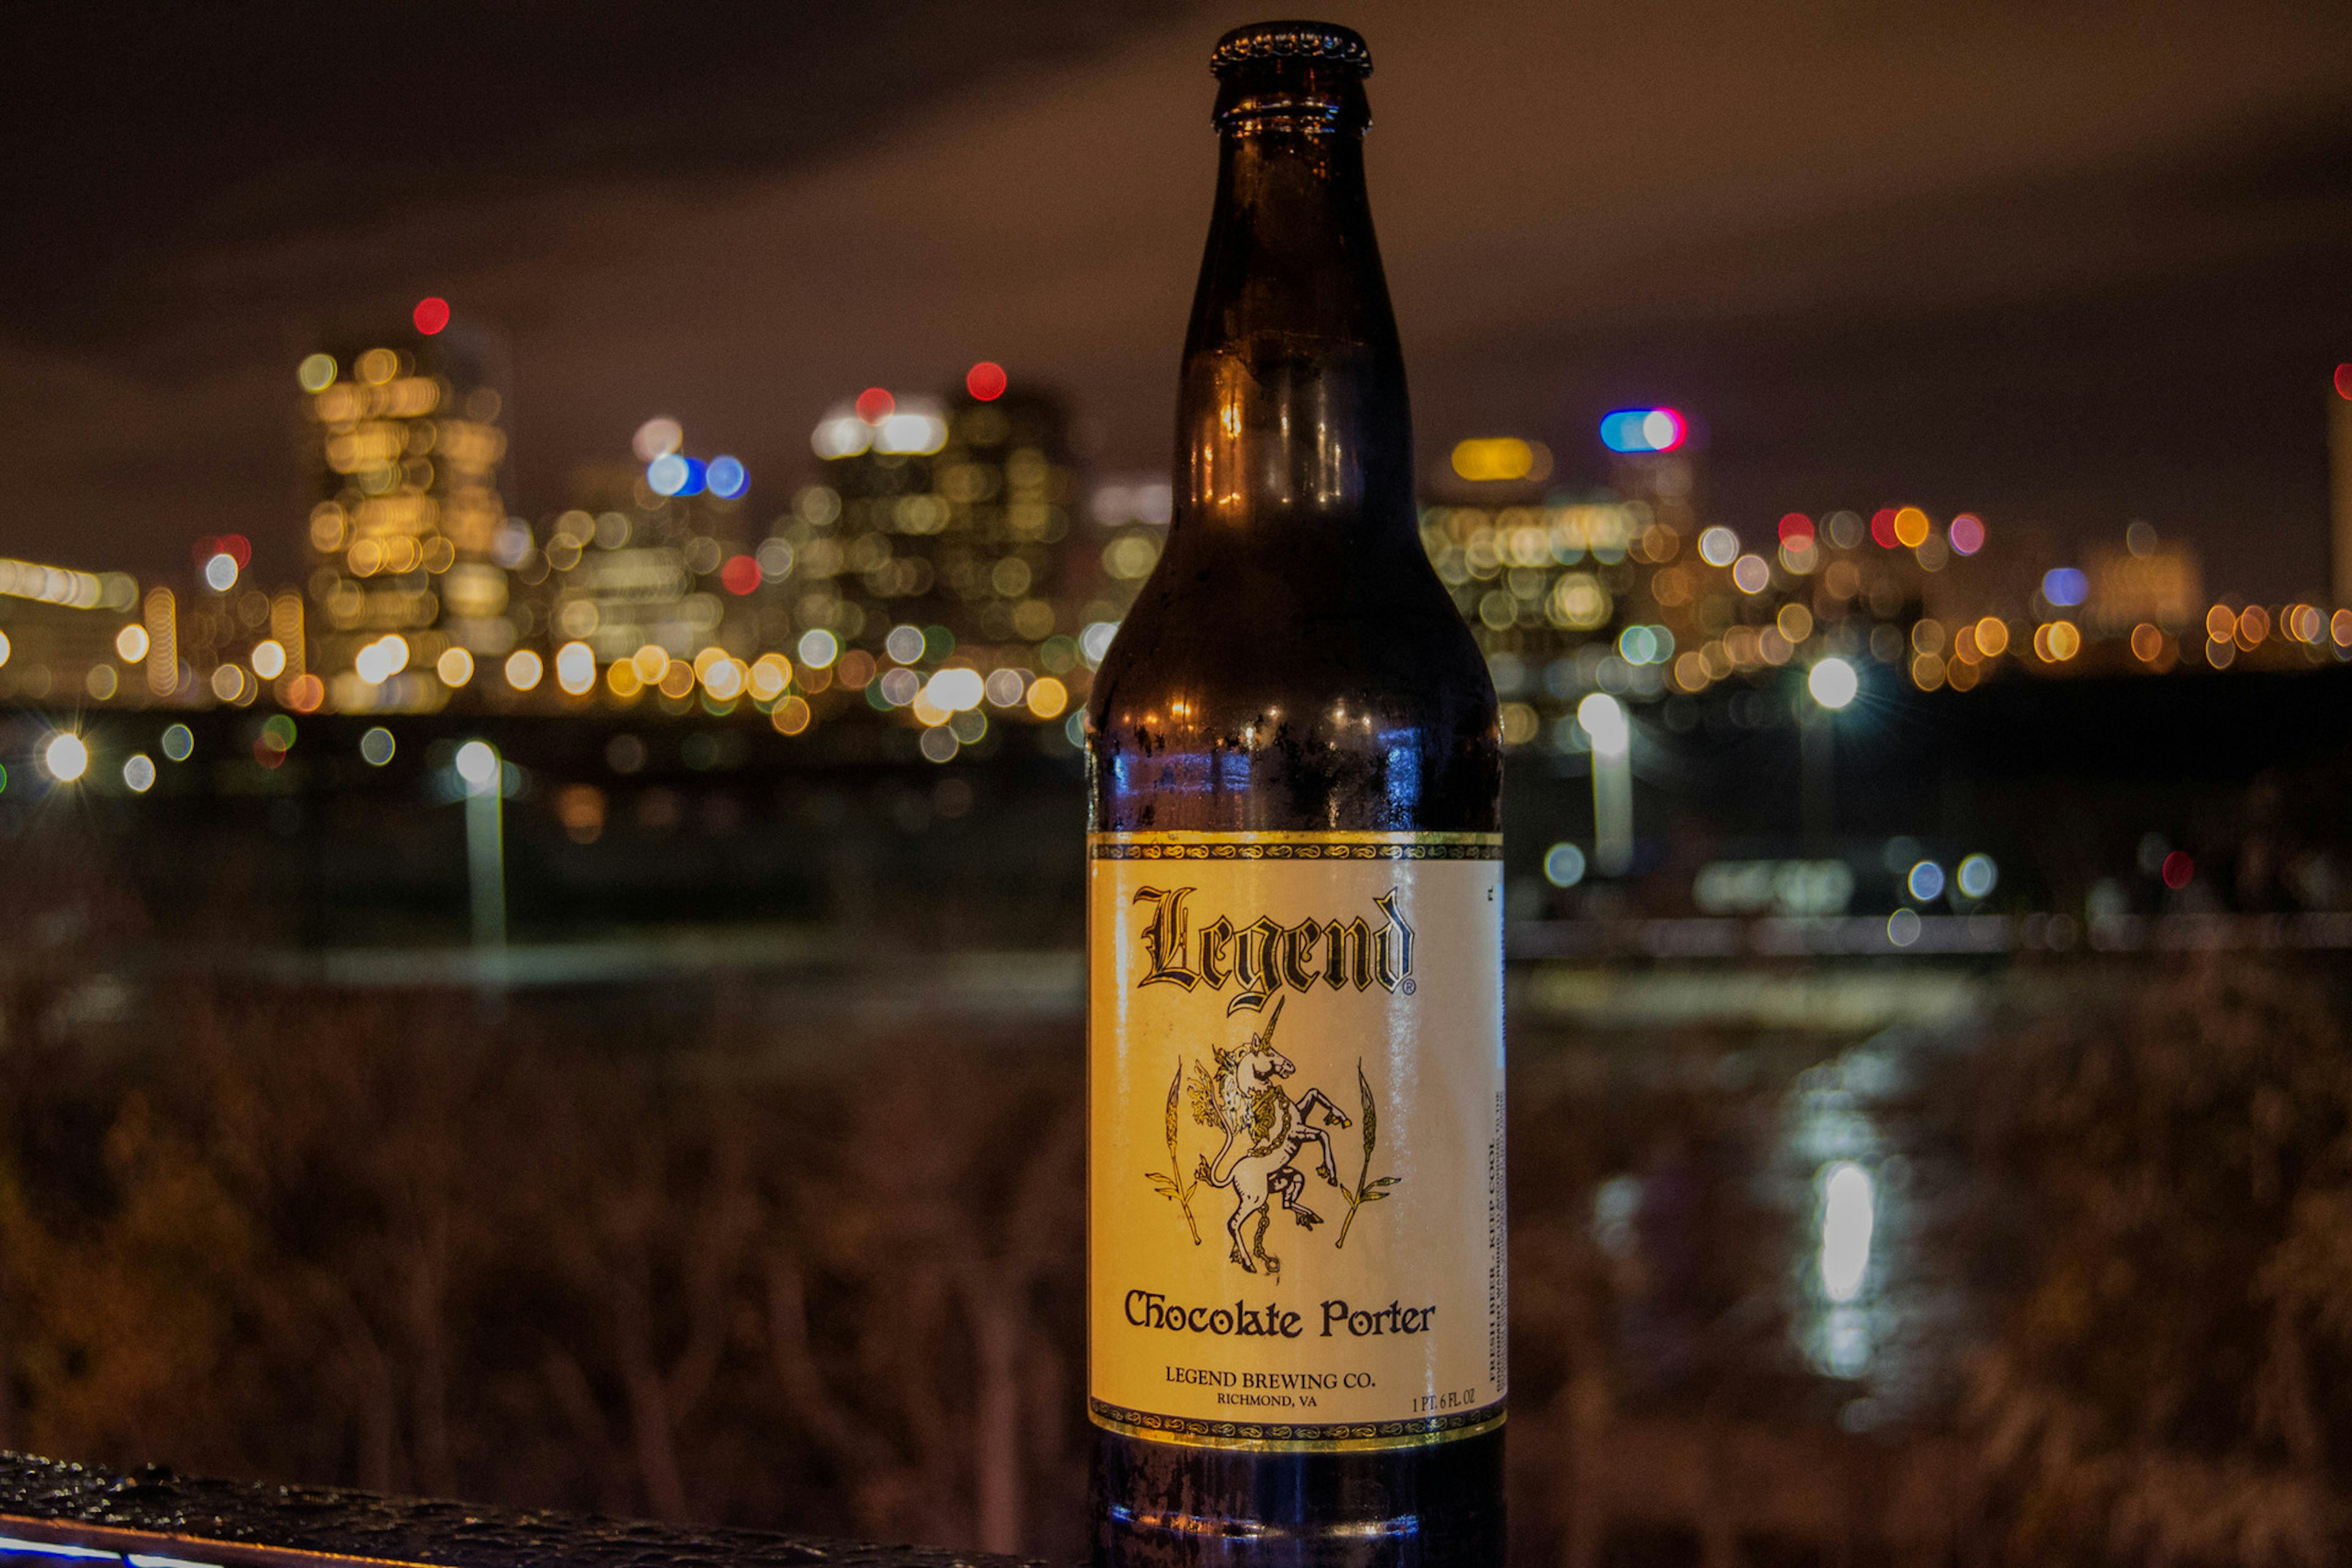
(1295, 1138)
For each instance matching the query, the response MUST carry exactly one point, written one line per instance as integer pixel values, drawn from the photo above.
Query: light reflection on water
(1774, 1237)
(1868, 1307)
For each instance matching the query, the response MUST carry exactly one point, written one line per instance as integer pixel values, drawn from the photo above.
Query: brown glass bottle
(1294, 668)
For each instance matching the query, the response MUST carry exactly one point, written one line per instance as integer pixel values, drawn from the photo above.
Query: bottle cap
(1310, 41)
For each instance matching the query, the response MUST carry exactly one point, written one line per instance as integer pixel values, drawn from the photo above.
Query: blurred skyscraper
(408, 528)
(962, 515)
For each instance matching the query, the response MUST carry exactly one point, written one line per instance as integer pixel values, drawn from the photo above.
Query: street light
(1831, 684)
(67, 757)
(482, 772)
(1605, 722)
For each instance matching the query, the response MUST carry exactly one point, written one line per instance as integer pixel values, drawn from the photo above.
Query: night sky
(2066, 266)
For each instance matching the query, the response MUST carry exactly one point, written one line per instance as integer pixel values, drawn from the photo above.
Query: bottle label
(1295, 1100)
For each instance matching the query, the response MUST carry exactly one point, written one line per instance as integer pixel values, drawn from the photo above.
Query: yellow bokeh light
(131, 644)
(770, 673)
(790, 716)
(1992, 637)
(652, 662)
(1049, 696)
(1501, 458)
(524, 669)
(1796, 622)
(455, 666)
(316, 372)
(270, 660)
(2057, 642)
(724, 679)
(1911, 527)
(623, 680)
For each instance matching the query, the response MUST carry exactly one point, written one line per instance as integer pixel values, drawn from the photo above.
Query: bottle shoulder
(1258, 693)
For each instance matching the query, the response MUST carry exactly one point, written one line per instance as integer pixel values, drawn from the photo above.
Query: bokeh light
(2065, 586)
(1834, 683)
(575, 668)
(1605, 724)
(1639, 430)
(727, 478)
(65, 756)
(1977, 876)
(985, 381)
(477, 764)
(657, 437)
(818, 649)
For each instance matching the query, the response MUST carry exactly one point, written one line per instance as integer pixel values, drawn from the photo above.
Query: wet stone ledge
(75, 1515)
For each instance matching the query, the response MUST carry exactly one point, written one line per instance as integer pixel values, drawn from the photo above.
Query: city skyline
(1866, 258)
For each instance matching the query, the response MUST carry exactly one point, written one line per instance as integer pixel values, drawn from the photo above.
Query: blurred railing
(75, 1515)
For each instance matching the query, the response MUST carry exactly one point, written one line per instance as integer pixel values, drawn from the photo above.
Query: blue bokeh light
(2065, 586)
(1643, 430)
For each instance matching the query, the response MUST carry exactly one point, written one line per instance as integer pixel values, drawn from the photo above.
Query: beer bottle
(1296, 1225)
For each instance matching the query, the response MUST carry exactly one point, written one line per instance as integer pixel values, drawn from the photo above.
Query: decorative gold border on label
(1287, 1437)
(1294, 847)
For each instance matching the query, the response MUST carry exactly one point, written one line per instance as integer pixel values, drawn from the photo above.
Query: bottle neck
(1292, 413)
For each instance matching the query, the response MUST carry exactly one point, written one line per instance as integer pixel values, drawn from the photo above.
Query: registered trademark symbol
(1407, 988)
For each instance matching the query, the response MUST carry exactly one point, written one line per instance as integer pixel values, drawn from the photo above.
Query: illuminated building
(2163, 584)
(945, 535)
(630, 569)
(408, 529)
(68, 637)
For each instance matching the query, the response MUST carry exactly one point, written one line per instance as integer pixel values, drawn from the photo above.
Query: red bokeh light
(740, 575)
(304, 693)
(1882, 528)
(432, 314)
(2344, 382)
(874, 404)
(235, 546)
(2177, 869)
(985, 381)
(1796, 529)
(268, 756)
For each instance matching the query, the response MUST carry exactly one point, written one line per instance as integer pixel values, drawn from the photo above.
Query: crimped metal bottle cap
(1292, 40)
